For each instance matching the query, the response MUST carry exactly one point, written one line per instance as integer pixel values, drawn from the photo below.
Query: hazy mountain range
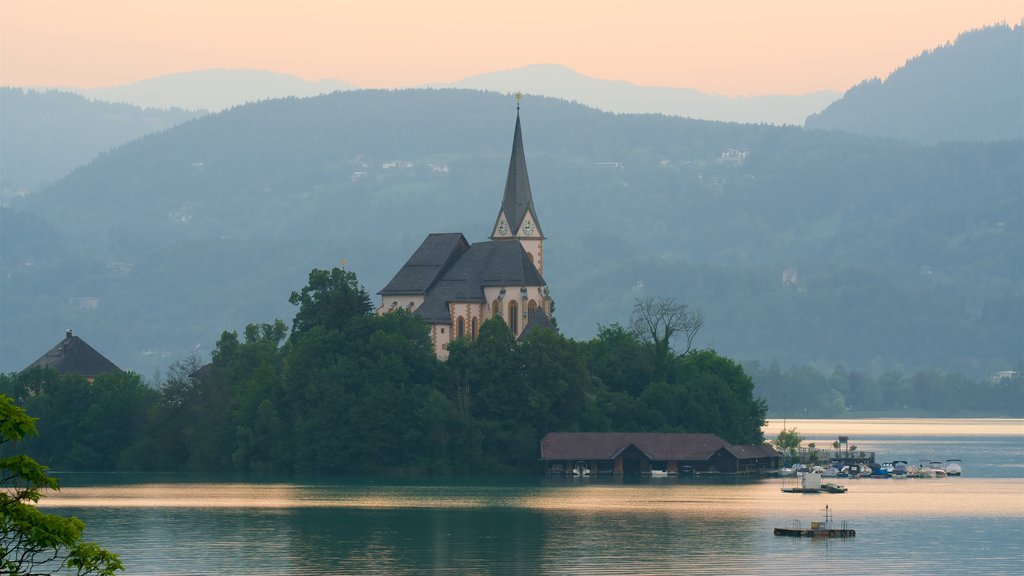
(626, 98)
(213, 90)
(217, 89)
(811, 246)
(801, 246)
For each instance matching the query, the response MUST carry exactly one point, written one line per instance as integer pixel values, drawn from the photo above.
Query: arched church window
(532, 306)
(460, 327)
(473, 327)
(530, 256)
(513, 316)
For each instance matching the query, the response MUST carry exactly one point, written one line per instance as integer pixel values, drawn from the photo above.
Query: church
(455, 286)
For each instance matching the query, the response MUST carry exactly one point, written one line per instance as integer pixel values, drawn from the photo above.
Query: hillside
(807, 247)
(971, 90)
(45, 135)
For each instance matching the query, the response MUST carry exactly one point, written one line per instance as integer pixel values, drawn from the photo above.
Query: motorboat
(899, 469)
(954, 467)
(833, 488)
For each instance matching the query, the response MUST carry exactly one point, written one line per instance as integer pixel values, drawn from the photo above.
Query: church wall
(535, 249)
(440, 335)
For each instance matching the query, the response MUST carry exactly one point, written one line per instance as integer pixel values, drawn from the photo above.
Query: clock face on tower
(502, 228)
(528, 228)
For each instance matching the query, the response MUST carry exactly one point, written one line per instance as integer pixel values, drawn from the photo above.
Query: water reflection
(728, 500)
(177, 525)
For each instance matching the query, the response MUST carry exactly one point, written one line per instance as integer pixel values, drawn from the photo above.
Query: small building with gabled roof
(643, 452)
(72, 355)
(455, 286)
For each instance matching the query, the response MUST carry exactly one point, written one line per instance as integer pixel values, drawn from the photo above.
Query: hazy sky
(730, 47)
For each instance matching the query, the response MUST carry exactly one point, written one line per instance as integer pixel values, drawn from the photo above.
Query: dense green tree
(619, 360)
(332, 298)
(32, 541)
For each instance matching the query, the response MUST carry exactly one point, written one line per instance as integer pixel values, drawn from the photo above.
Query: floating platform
(824, 529)
(816, 532)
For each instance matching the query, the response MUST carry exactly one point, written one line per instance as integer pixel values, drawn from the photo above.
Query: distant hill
(971, 90)
(622, 97)
(45, 135)
(804, 246)
(214, 89)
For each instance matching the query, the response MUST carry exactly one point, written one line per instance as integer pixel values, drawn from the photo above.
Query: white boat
(899, 469)
(581, 471)
(954, 467)
(659, 473)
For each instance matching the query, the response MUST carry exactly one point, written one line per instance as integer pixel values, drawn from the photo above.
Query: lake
(181, 524)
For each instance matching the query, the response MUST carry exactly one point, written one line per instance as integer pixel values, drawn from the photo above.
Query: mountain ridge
(805, 246)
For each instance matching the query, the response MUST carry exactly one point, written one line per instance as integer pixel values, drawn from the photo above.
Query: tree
(657, 321)
(788, 441)
(31, 540)
(331, 299)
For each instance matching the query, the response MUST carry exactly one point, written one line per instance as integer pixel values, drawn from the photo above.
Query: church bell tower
(517, 218)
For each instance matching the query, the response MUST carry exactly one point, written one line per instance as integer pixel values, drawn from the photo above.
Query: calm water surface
(188, 525)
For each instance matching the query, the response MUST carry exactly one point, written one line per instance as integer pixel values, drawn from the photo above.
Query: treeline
(805, 392)
(346, 391)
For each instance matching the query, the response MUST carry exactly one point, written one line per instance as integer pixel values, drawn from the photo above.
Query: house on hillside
(72, 355)
(624, 453)
(455, 286)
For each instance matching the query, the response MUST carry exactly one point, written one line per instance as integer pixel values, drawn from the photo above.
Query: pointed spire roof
(518, 198)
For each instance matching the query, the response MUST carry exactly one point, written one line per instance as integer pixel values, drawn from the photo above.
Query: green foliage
(31, 540)
(331, 299)
(788, 441)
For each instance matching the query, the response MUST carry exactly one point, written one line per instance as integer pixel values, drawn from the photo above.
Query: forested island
(347, 391)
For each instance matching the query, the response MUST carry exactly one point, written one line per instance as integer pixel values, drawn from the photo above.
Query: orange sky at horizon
(730, 47)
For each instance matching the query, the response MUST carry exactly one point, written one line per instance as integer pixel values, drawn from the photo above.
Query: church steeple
(517, 218)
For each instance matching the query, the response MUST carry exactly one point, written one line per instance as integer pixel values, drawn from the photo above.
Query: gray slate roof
(484, 264)
(518, 198)
(434, 256)
(73, 356)
(538, 320)
(656, 446)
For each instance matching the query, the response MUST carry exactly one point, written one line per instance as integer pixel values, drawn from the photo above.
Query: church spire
(518, 215)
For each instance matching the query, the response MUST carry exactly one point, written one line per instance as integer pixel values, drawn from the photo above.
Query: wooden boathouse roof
(609, 445)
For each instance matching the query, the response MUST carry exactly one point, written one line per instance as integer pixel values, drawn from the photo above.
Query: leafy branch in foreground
(32, 541)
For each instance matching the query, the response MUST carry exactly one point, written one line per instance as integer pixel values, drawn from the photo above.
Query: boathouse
(650, 453)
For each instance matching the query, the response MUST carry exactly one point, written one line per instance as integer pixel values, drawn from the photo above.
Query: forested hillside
(46, 135)
(971, 90)
(806, 247)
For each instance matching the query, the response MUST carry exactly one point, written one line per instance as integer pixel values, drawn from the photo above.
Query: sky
(728, 47)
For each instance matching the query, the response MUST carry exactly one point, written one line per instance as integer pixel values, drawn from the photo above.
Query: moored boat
(954, 467)
(899, 469)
